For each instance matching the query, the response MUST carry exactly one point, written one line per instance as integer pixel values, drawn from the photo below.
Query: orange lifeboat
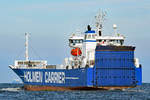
(76, 52)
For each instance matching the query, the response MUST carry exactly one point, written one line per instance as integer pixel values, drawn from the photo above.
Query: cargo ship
(96, 62)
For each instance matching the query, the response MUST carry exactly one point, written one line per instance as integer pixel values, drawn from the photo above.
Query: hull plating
(59, 79)
(54, 88)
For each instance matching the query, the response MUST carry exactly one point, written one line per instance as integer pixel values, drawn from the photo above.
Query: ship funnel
(89, 28)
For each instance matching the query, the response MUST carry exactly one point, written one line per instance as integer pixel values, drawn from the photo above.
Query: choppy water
(15, 92)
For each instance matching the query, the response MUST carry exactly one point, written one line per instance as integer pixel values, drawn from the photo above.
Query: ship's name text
(49, 77)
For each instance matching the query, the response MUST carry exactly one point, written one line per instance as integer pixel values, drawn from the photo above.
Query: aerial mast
(99, 22)
(26, 46)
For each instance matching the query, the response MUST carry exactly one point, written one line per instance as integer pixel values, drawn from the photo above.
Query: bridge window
(93, 36)
(100, 40)
(71, 41)
(81, 41)
(77, 41)
(89, 36)
(111, 40)
(74, 41)
(121, 42)
(85, 36)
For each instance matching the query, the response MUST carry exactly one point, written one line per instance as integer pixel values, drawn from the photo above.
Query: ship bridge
(76, 40)
(110, 40)
(90, 36)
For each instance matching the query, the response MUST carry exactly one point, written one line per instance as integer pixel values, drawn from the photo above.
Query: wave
(138, 90)
(11, 89)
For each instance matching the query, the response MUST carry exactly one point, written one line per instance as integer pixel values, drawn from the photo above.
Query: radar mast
(100, 18)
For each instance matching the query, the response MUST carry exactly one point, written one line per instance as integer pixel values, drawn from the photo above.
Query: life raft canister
(76, 52)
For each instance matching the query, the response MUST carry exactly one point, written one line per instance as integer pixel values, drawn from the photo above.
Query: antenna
(100, 18)
(26, 47)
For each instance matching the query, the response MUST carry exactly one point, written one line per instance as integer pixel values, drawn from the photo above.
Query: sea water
(16, 92)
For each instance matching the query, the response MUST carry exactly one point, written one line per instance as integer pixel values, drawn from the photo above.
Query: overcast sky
(50, 22)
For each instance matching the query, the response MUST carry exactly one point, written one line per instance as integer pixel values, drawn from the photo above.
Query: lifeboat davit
(76, 52)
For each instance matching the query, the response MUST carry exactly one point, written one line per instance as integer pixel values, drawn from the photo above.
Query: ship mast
(26, 47)
(99, 22)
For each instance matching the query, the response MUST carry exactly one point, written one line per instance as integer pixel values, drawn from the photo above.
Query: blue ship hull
(114, 68)
(73, 79)
(56, 77)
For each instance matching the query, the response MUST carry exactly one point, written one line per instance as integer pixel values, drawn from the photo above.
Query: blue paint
(92, 32)
(114, 66)
(139, 75)
(89, 41)
(89, 77)
(73, 77)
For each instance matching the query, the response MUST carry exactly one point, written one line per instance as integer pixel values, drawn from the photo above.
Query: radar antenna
(100, 18)
(115, 29)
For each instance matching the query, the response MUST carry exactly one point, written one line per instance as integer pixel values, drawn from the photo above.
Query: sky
(51, 22)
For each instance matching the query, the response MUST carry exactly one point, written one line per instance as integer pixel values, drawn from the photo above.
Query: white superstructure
(87, 42)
